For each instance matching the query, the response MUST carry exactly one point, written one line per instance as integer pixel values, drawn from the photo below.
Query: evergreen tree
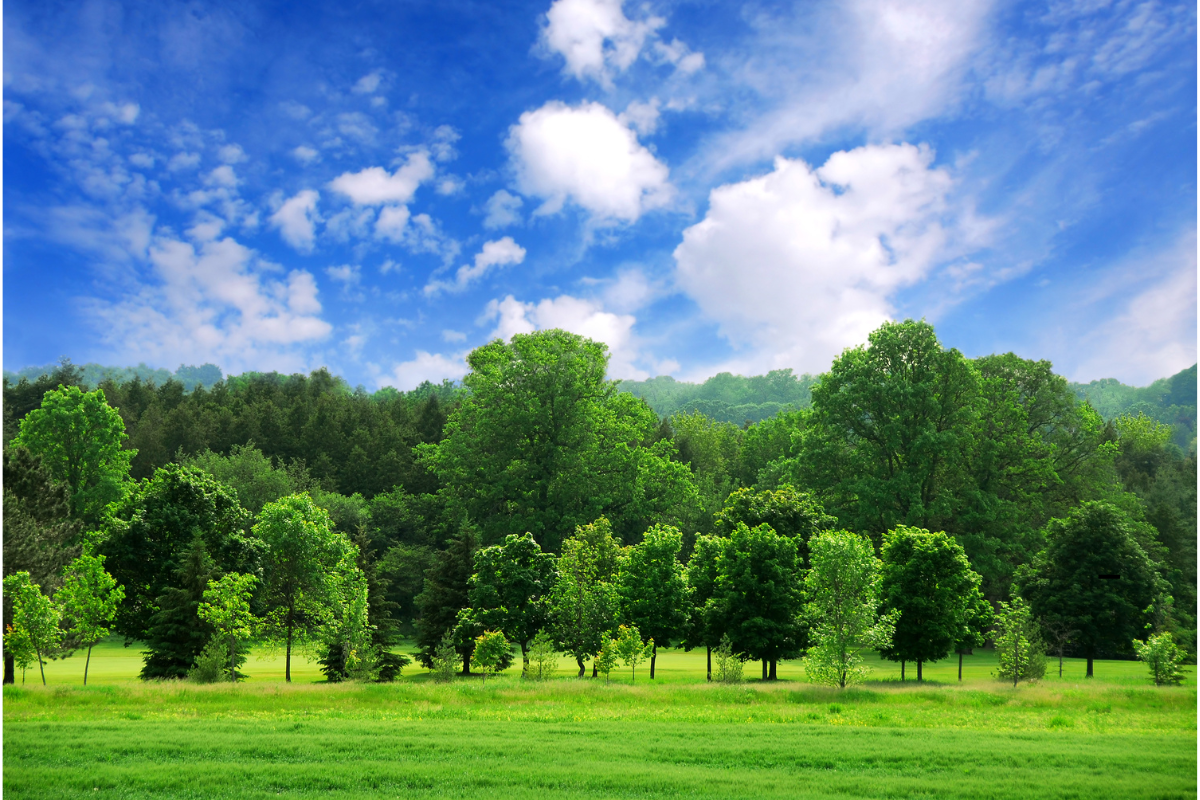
(445, 594)
(176, 635)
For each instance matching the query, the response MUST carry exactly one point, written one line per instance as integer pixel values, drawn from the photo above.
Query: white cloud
(426, 366)
(368, 83)
(346, 274)
(800, 263)
(375, 186)
(595, 37)
(392, 222)
(587, 155)
(222, 176)
(182, 161)
(305, 155)
(296, 220)
(231, 154)
(584, 317)
(442, 143)
(503, 209)
(680, 55)
(143, 160)
(642, 117)
(498, 253)
(453, 335)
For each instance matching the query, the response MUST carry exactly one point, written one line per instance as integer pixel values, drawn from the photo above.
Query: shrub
(445, 660)
(212, 664)
(1163, 658)
(729, 664)
(543, 658)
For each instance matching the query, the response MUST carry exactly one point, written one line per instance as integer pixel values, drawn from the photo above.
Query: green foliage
(607, 659)
(444, 595)
(226, 608)
(584, 604)
(346, 628)
(928, 581)
(790, 512)
(175, 635)
(543, 658)
(1018, 646)
(489, 653)
(19, 647)
(631, 649)
(1168, 400)
(80, 439)
(725, 397)
(1163, 658)
(254, 477)
(652, 585)
(443, 663)
(212, 664)
(35, 620)
(509, 589)
(842, 590)
(729, 663)
(89, 598)
(712, 451)
(704, 627)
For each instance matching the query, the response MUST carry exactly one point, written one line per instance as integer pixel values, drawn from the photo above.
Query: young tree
(34, 617)
(512, 580)
(89, 598)
(631, 650)
(757, 599)
(345, 627)
(1095, 577)
(444, 661)
(842, 589)
(704, 627)
(1162, 657)
(1059, 634)
(979, 619)
(607, 659)
(489, 653)
(80, 438)
(584, 603)
(653, 588)
(303, 554)
(226, 608)
(729, 663)
(926, 578)
(19, 648)
(543, 657)
(1018, 648)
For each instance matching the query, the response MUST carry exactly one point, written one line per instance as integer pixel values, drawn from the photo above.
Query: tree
(543, 657)
(508, 591)
(444, 660)
(1059, 634)
(445, 594)
(704, 628)
(489, 652)
(346, 628)
(790, 512)
(35, 619)
(19, 648)
(79, 437)
(252, 475)
(607, 659)
(979, 619)
(652, 585)
(303, 555)
(584, 603)
(89, 598)
(1018, 648)
(926, 578)
(843, 608)
(631, 649)
(1095, 577)
(176, 635)
(226, 608)
(729, 663)
(544, 442)
(1162, 657)
(757, 598)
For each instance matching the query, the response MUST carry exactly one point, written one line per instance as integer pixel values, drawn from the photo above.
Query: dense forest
(603, 495)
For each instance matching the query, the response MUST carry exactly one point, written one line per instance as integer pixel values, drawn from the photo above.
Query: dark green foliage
(23, 394)
(789, 512)
(510, 589)
(445, 594)
(652, 585)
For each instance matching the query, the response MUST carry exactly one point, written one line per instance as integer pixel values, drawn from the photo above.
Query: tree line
(695, 532)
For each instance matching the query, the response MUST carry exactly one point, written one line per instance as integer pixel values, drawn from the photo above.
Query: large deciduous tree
(510, 589)
(704, 627)
(789, 511)
(652, 584)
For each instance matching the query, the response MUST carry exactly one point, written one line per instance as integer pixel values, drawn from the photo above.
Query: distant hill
(93, 374)
(1171, 400)
(726, 397)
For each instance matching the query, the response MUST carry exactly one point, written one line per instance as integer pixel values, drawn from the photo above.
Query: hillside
(1171, 400)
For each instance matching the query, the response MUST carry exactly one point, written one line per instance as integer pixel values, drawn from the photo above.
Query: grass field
(1113, 736)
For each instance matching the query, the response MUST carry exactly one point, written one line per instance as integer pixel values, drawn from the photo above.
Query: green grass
(1114, 736)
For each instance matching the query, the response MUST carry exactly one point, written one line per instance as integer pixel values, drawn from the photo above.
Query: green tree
(653, 588)
(1018, 648)
(445, 594)
(444, 660)
(543, 657)
(1094, 576)
(346, 627)
(255, 478)
(79, 437)
(631, 649)
(35, 619)
(19, 648)
(729, 663)
(226, 608)
(757, 598)
(789, 512)
(1162, 657)
(843, 608)
(89, 598)
(584, 603)
(176, 635)
(978, 621)
(508, 591)
(303, 554)
(607, 659)
(704, 627)
(928, 580)
(489, 653)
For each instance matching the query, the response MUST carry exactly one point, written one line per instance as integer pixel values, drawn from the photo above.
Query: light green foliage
(607, 659)
(444, 662)
(226, 608)
(704, 627)
(252, 475)
(509, 588)
(1163, 658)
(631, 650)
(729, 663)
(88, 598)
(345, 623)
(584, 604)
(543, 658)
(489, 654)
(842, 593)
(1018, 646)
(35, 619)
(79, 437)
(652, 584)
(212, 664)
(18, 645)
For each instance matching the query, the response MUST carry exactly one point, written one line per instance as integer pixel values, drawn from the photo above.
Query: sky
(704, 186)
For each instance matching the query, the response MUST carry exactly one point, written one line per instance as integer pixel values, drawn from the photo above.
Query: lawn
(1113, 736)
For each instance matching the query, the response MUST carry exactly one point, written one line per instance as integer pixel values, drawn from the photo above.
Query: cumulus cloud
(431, 367)
(305, 155)
(345, 274)
(499, 253)
(595, 37)
(231, 154)
(587, 155)
(392, 223)
(375, 185)
(502, 209)
(801, 263)
(584, 317)
(296, 220)
(368, 83)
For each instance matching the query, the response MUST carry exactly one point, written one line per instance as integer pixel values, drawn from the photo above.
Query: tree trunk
(709, 648)
(653, 657)
(232, 662)
(86, 664)
(579, 661)
(764, 662)
(902, 663)
(595, 670)
(287, 659)
(1089, 668)
(960, 667)
(10, 668)
(1060, 657)
(41, 666)
(771, 674)
(920, 675)
(524, 660)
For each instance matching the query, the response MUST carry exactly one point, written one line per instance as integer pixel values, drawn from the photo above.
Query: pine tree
(445, 594)
(177, 635)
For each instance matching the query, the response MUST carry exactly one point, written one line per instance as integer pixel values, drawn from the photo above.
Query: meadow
(1114, 736)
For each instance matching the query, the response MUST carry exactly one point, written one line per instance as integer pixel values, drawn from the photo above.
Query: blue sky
(705, 186)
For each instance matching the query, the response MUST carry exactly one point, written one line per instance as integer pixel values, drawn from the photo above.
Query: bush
(729, 664)
(543, 658)
(445, 660)
(1163, 658)
(212, 664)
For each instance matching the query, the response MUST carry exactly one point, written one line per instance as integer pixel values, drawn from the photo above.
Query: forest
(910, 502)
